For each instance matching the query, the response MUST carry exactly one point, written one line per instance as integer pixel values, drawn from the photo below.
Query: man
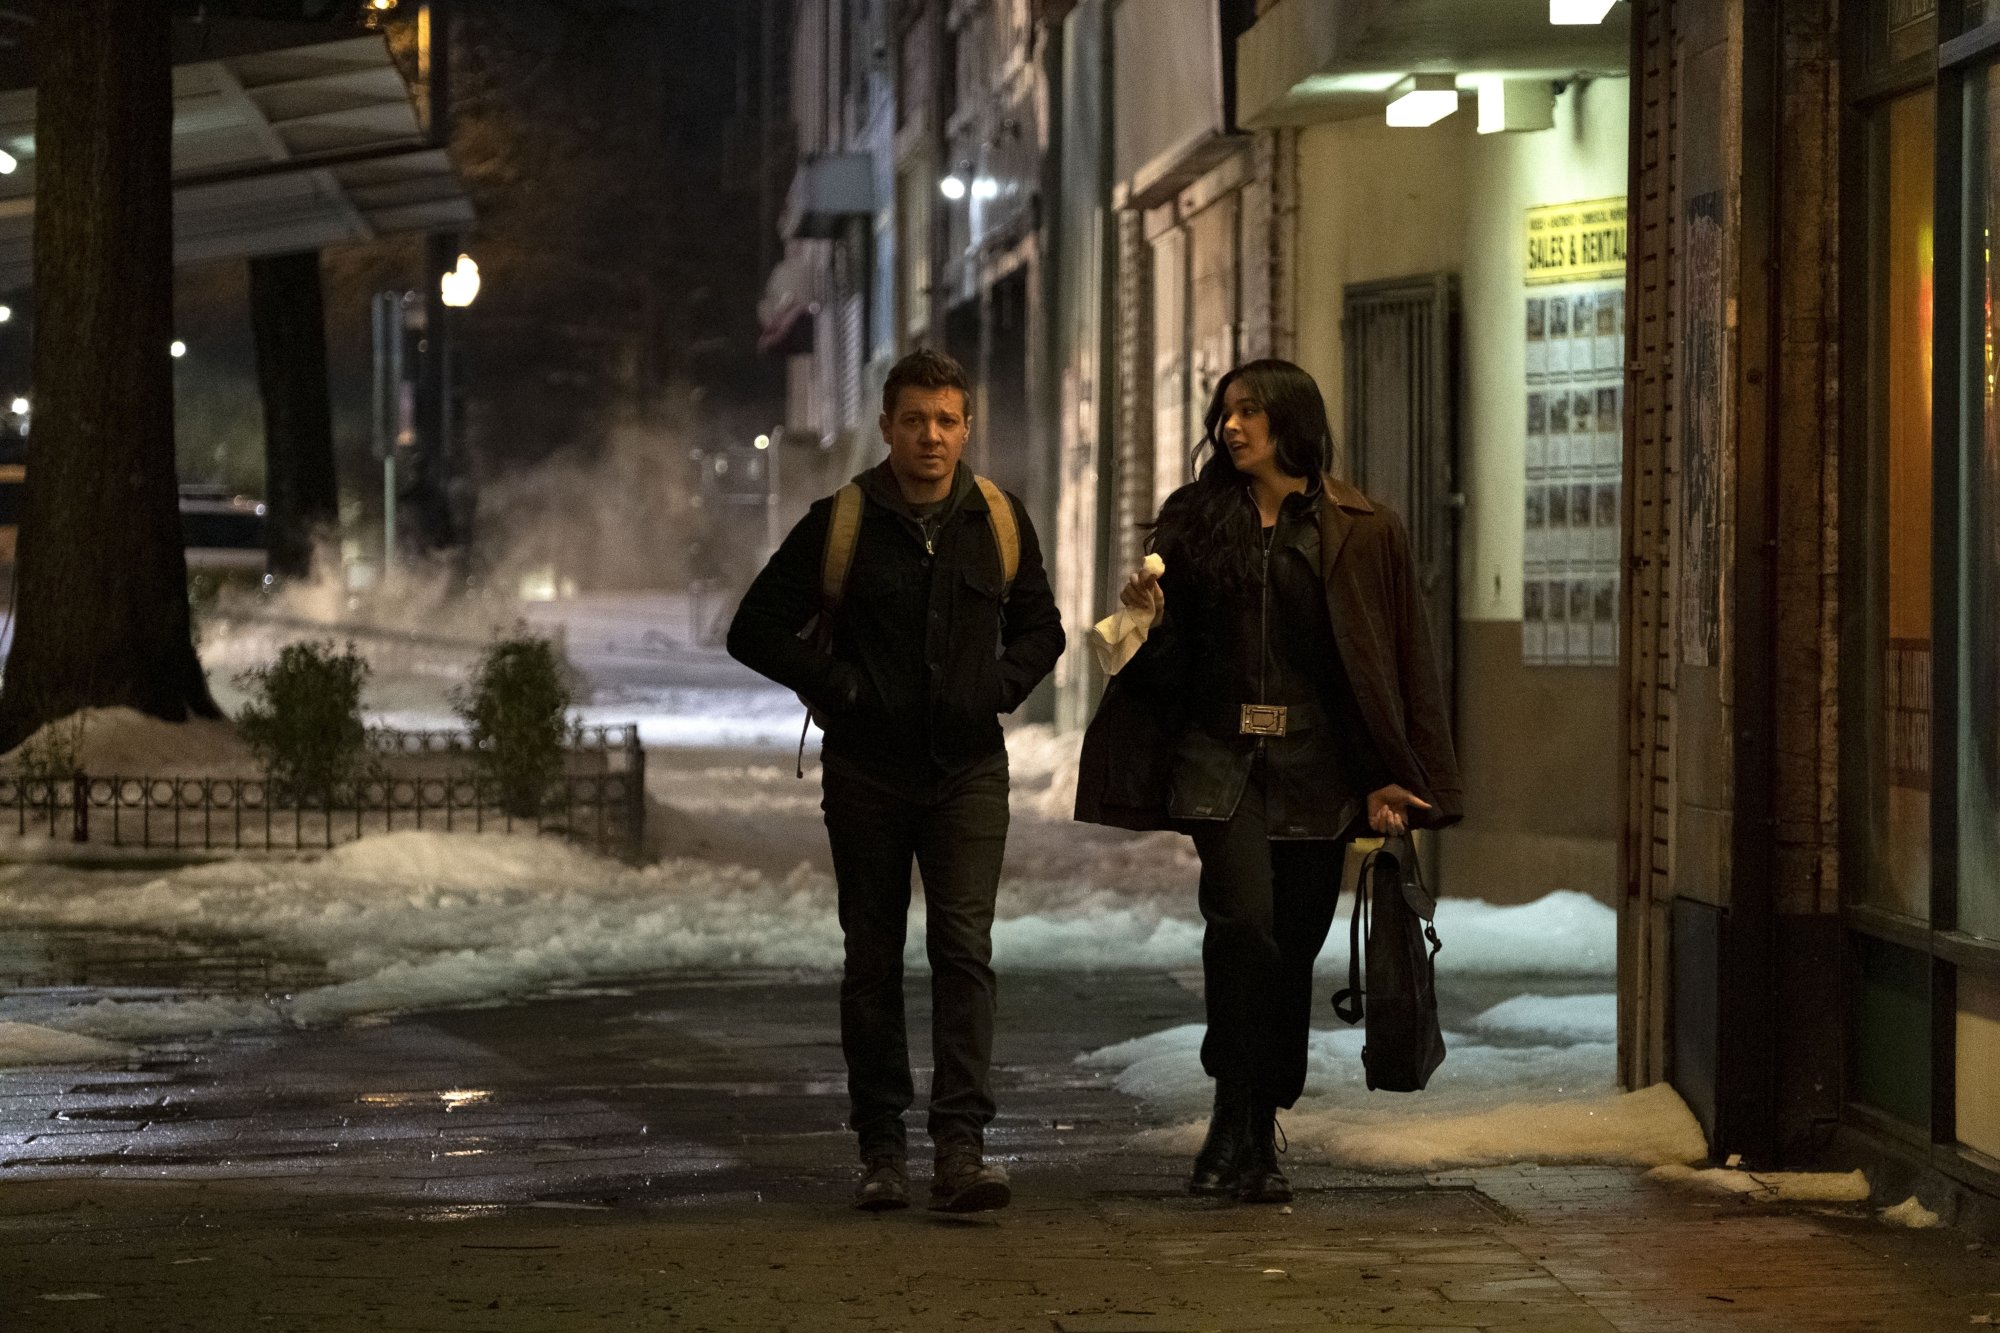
(929, 643)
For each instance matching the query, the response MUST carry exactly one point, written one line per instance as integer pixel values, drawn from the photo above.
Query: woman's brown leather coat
(1384, 643)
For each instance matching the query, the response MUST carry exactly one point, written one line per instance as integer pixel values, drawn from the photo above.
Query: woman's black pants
(1268, 904)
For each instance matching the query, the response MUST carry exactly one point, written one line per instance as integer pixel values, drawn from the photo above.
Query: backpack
(837, 557)
(1392, 921)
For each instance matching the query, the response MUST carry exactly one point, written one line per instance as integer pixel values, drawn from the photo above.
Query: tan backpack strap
(842, 527)
(1006, 532)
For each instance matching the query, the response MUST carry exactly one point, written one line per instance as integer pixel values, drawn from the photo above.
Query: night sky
(611, 149)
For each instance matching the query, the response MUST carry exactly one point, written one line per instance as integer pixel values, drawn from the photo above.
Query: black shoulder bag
(1392, 921)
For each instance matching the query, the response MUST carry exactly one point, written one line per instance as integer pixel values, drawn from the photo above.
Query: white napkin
(1114, 639)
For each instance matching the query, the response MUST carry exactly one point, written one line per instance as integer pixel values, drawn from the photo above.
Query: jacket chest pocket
(979, 612)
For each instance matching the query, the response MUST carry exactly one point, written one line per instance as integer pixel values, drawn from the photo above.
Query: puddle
(173, 966)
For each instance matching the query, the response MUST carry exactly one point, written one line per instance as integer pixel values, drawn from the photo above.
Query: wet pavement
(670, 1155)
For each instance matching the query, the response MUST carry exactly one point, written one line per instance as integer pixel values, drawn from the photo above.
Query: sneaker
(883, 1186)
(963, 1183)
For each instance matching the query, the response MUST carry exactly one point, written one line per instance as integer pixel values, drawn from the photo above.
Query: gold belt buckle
(1263, 720)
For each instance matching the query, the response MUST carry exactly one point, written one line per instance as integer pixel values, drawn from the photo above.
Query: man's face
(925, 434)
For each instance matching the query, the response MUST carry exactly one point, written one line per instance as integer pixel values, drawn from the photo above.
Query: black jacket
(1383, 647)
(1270, 644)
(924, 656)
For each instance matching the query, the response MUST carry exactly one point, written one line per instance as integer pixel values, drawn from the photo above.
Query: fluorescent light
(952, 187)
(1424, 99)
(1578, 13)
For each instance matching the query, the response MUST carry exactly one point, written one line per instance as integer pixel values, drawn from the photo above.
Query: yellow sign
(1581, 242)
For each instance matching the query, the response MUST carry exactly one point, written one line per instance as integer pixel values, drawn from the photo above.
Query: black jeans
(1268, 905)
(957, 839)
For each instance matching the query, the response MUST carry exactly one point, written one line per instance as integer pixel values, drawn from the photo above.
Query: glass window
(1978, 1076)
(1900, 878)
(1892, 1032)
(1978, 745)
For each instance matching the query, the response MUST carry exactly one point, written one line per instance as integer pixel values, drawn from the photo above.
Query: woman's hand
(1142, 591)
(1389, 808)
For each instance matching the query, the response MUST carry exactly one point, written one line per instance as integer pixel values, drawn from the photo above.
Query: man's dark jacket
(1384, 643)
(924, 655)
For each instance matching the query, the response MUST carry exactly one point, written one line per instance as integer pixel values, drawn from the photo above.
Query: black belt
(1264, 719)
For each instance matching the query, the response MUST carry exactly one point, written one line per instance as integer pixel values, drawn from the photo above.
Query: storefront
(1921, 766)
(1452, 290)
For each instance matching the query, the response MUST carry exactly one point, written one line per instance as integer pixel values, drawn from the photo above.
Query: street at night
(1053, 665)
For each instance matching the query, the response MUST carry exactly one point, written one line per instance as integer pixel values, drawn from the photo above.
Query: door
(1402, 428)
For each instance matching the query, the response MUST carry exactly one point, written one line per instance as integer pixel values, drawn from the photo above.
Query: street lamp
(6, 313)
(460, 286)
(952, 187)
(8, 162)
(177, 349)
(19, 407)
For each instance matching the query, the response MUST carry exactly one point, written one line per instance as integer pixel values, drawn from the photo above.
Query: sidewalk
(671, 1157)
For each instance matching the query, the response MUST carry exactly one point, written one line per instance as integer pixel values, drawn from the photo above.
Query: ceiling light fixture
(1422, 99)
(1578, 13)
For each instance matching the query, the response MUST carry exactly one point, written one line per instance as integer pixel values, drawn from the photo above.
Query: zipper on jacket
(1264, 621)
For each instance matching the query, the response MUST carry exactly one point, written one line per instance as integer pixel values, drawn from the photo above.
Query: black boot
(1218, 1167)
(1261, 1181)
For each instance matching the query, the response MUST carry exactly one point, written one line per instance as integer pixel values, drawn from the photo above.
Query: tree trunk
(301, 500)
(101, 616)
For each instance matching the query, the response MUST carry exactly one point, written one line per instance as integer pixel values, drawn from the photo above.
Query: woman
(1286, 698)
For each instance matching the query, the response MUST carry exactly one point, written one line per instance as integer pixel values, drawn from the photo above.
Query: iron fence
(599, 800)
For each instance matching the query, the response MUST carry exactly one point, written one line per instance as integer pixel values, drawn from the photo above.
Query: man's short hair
(924, 368)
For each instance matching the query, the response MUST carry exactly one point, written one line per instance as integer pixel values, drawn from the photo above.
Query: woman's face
(1246, 431)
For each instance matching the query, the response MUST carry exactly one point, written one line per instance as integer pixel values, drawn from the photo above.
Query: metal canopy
(273, 152)
(1310, 60)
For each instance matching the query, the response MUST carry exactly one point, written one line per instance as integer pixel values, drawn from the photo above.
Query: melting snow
(1799, 1186)
(1485, 1105)
(27, 1044)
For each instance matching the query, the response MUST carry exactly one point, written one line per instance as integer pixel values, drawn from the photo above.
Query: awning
(274, 151)
(785, 312)
(826, 191)
(1306, 60)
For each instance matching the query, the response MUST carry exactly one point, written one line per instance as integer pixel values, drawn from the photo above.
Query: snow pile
(748, 716)
(123, 742)
(1485, 1105)
(27, 1044)
(419, 919)
(1042, 765)
(1558, 1018)
(1791, 1186)
(1911, 1213)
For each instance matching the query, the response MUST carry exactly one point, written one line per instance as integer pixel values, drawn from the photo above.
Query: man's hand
(1142, 591)
(1389, 809)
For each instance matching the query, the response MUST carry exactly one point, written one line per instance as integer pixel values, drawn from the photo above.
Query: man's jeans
(957, 839)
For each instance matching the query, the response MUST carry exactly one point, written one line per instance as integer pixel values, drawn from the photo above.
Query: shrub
(303, 720)
(54, 753)
(517, 708)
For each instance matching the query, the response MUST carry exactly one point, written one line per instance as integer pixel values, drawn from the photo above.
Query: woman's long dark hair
(1207, 523)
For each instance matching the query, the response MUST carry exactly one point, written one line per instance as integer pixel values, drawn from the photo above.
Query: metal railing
(599, 800)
